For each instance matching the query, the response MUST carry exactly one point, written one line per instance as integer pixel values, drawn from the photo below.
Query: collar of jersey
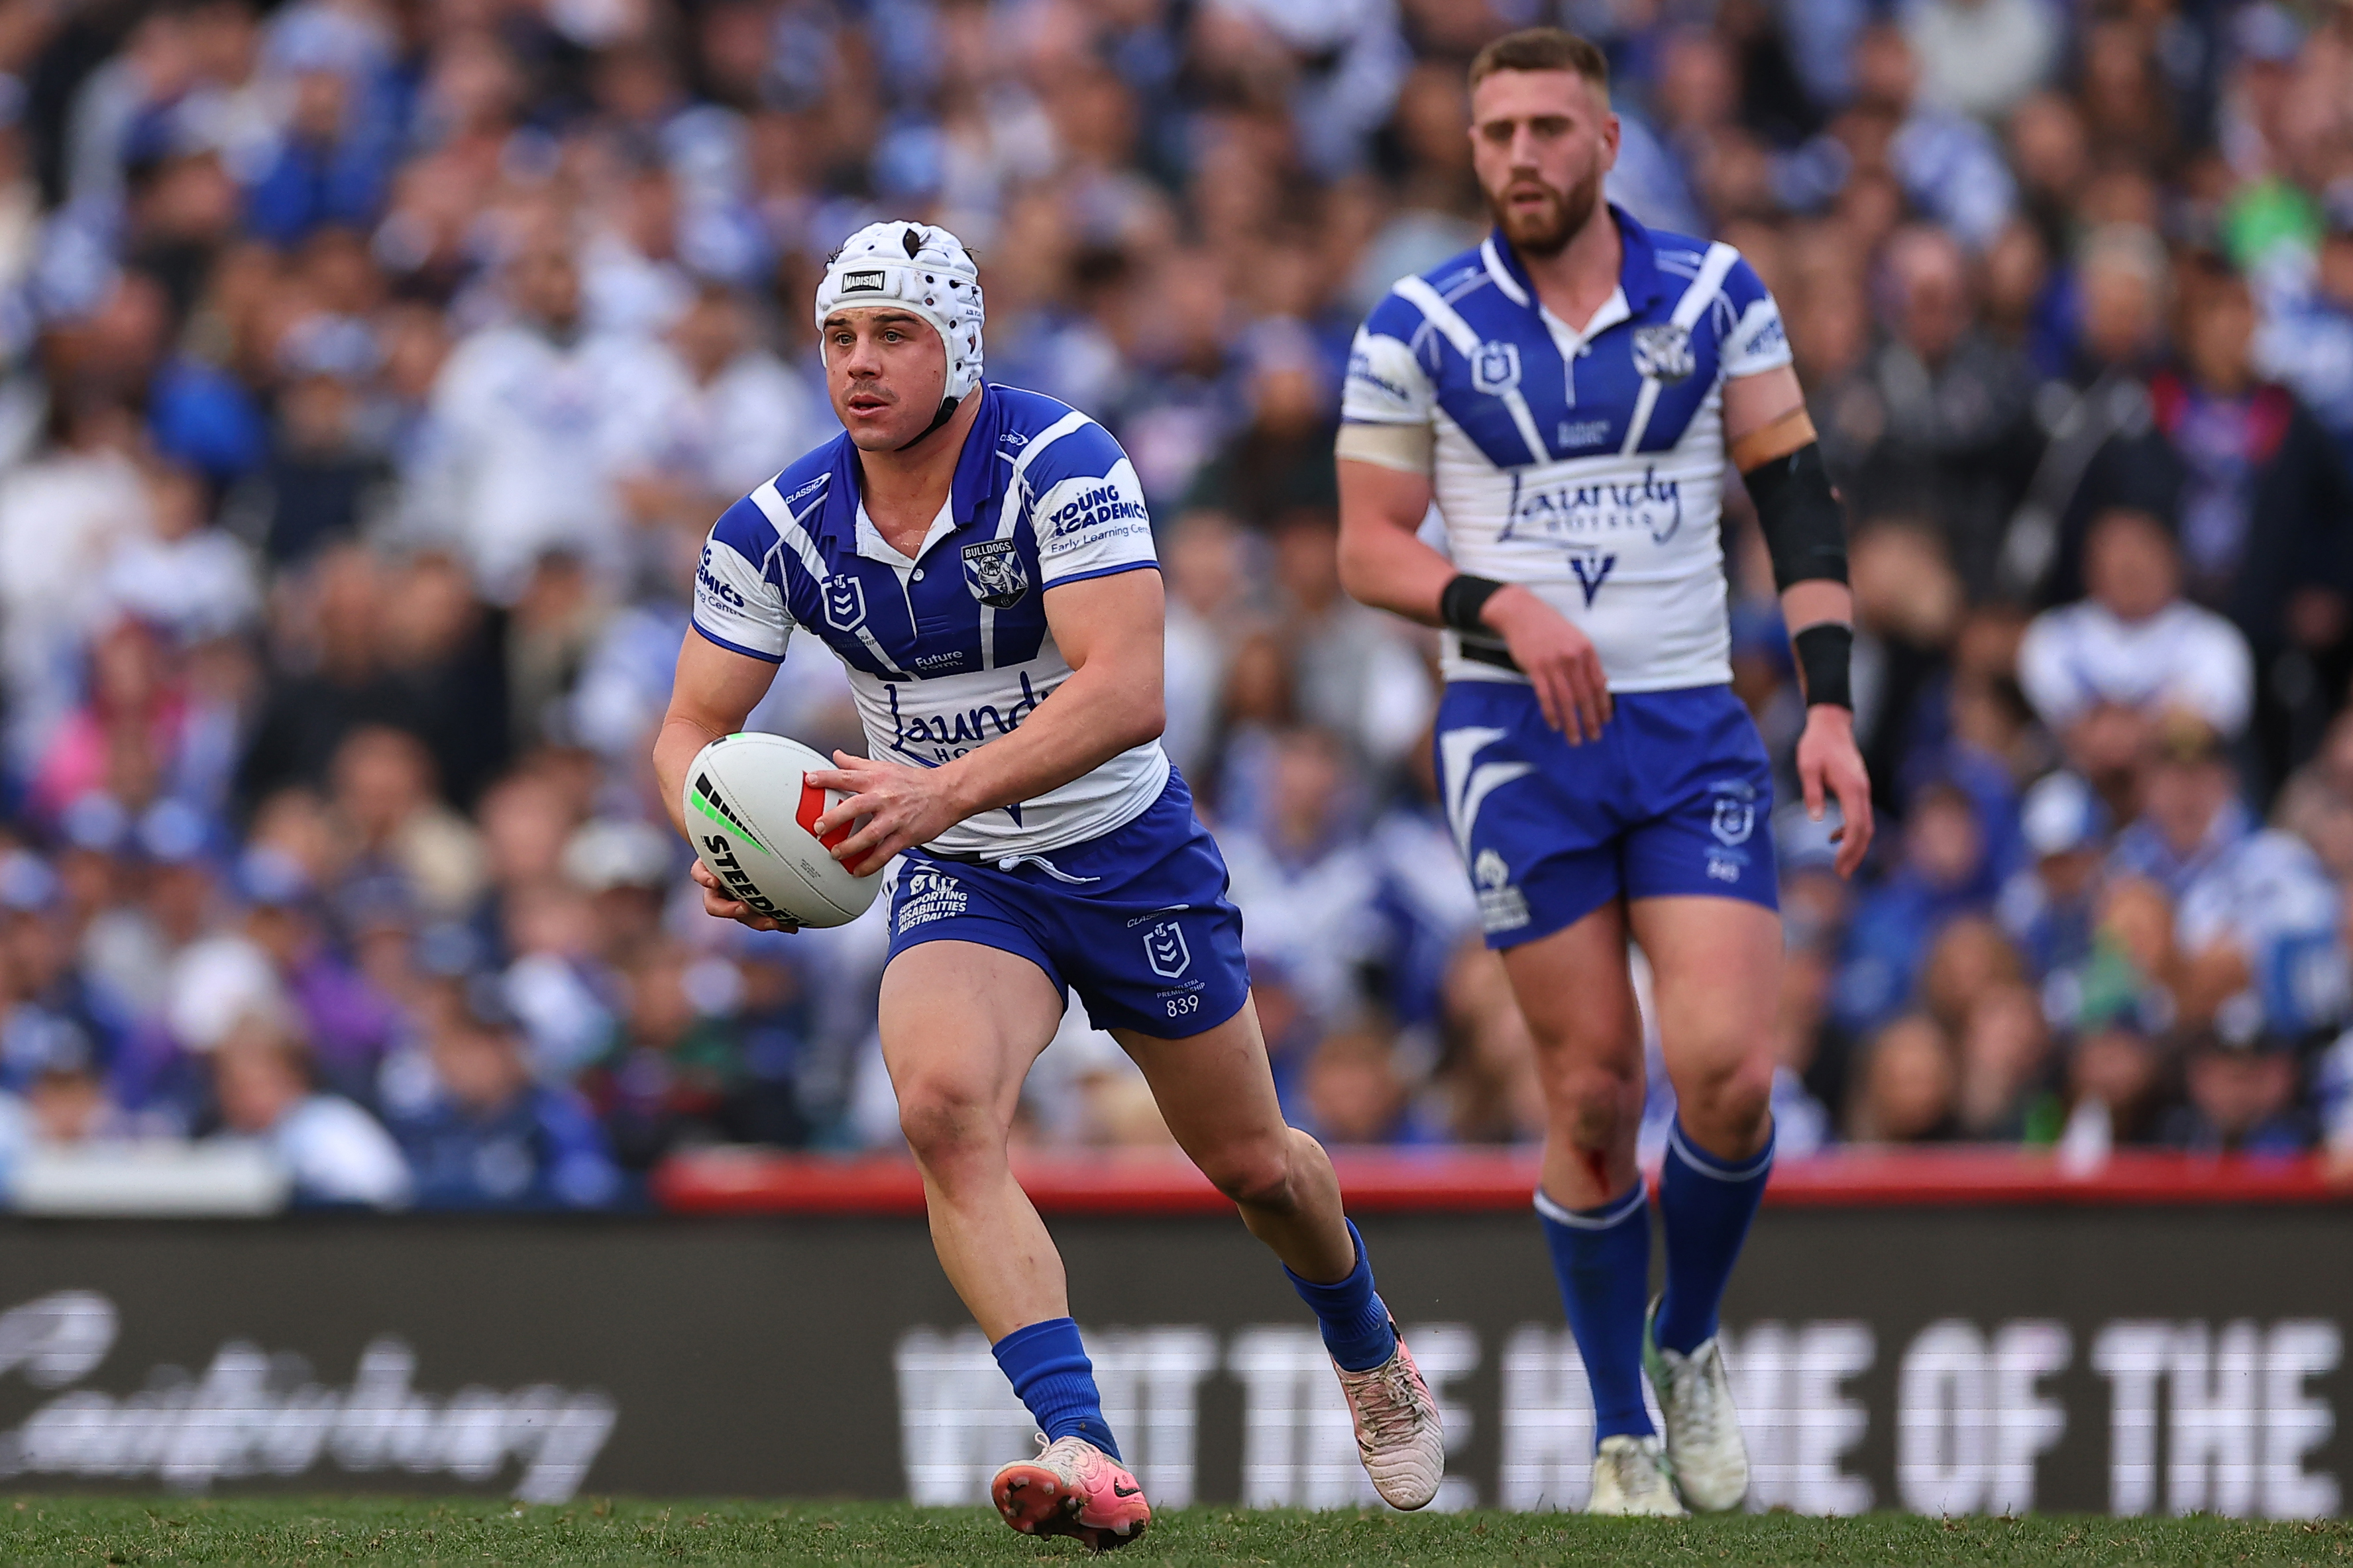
(1638, 272)
(975, 480)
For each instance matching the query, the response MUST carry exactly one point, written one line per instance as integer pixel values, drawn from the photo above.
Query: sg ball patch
(994, 573)
(1663, 352)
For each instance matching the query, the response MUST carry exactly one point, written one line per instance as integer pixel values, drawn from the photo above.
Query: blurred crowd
(373, 369)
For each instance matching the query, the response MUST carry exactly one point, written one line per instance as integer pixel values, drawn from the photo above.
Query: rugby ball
(753, 817)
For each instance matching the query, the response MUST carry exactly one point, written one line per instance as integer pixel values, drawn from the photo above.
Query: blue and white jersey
(948, 649)
(1588, 466)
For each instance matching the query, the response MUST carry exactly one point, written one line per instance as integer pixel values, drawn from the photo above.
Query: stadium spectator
(2134, 642)
(2242, 1098)
(333, 1152)
(480, 1134)
(1908, 1085)
(2256, 930)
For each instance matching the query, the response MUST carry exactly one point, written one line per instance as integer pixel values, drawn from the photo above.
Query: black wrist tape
(1804, 527)
(1824, 651)
(1461, 601)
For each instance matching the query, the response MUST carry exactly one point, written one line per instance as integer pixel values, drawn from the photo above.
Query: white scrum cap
(922, 269)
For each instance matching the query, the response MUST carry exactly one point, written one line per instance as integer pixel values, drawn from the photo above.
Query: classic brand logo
(845, 603)
(1164, 950)
(1495, 367)
(861, 282)
(1663, 352)
(994, 573)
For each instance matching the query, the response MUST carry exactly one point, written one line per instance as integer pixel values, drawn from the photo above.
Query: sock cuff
(1041, 1349)
(1363, 1265)
(1680, 1146)
(1603, 1217)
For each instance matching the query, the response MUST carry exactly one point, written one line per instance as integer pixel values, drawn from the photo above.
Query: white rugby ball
(753, 817)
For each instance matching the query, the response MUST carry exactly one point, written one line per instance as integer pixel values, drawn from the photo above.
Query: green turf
(90, 1532)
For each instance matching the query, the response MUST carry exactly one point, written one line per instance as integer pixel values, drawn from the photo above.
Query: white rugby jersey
(948, 649)
(1588, 467)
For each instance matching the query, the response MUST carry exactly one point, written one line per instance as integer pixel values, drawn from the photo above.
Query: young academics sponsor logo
(1107, 502)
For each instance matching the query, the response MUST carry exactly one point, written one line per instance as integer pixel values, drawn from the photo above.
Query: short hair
(1542, 50)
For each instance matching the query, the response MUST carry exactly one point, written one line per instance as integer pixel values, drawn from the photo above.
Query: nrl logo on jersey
(1495, 367)
(845, 603)
(1663, 352)
(994, 573)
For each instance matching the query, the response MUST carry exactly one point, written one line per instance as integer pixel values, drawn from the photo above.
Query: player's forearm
(1810, 604)
(1099, 712)
(675, 748)
(1383, 562)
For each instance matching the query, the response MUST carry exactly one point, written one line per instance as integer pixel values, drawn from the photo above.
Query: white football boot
(1629, 1477)
(1072, 1487)
(1704, 1449)
(1397, 1432)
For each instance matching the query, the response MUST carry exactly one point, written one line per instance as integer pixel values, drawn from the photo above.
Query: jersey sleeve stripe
(711, 636)
(1016, 497)
(1457, 331)
(1111, 571)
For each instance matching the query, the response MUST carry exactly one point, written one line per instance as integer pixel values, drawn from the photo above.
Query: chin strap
(946, 413)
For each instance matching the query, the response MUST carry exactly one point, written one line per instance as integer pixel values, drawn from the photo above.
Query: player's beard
(1548, 231)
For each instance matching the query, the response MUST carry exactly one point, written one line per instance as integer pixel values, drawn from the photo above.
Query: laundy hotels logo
(1165, 949)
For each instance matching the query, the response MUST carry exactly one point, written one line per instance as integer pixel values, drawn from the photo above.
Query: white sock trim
(1708, 1165)
(1637, 1199)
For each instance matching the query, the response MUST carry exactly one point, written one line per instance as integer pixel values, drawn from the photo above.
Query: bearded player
(981, 559)
(1567, 393)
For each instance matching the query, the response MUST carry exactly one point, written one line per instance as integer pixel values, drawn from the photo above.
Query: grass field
(38, 1531)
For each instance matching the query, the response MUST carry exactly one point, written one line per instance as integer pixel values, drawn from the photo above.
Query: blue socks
(1602, 1256)
(1357, 1327)
(1707, 1205)
(1050, 1370)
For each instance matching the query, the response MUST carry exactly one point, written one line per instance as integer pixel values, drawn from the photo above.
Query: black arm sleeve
(1805, 528)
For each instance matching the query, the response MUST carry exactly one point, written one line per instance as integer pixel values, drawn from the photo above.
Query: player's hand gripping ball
(753, 817)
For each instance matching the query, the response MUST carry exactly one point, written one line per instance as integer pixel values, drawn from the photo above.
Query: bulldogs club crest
(994, 573)
(845, 603)
(1495, 367)
(1663, 352)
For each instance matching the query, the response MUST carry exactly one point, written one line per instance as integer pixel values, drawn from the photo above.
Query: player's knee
(1593, 1102)
(943, 1123)
(1729, 1102)
(1256, 1175)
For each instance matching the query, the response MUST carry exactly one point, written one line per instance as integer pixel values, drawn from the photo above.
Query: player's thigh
(961, 1023)
(1578, 995)
(1715, 964)
(1215, 1091)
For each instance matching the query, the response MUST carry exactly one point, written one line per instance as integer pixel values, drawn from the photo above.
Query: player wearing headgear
(1568, 392)
(981, 559)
